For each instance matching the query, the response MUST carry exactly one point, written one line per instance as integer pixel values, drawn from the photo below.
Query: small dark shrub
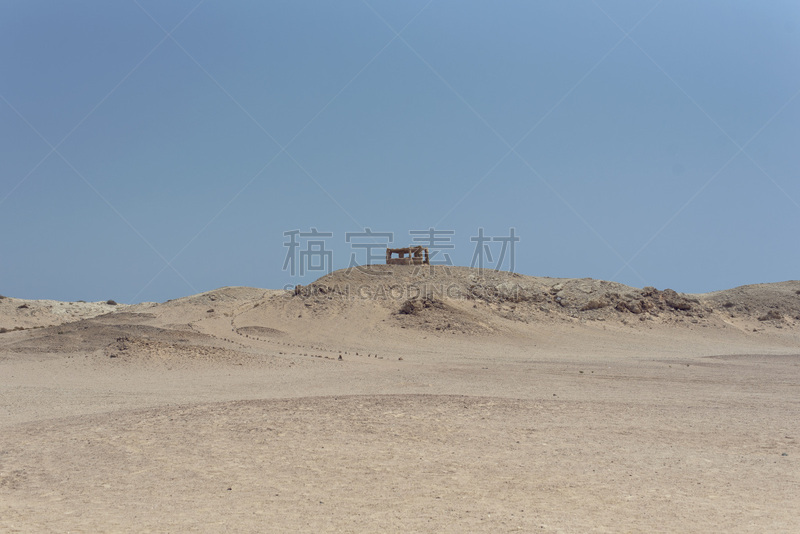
(111, 303)
(411, 307)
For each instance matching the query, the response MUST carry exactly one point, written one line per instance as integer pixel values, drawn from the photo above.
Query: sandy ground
(232, 411)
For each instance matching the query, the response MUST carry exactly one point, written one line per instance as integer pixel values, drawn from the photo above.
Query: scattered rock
(772, 315)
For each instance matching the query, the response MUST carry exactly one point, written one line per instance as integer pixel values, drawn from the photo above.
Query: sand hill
(400, 398)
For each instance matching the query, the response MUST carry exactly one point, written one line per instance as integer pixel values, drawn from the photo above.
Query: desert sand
(405, 399)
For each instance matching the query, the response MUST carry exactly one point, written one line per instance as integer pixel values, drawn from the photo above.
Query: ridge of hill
(364, 305)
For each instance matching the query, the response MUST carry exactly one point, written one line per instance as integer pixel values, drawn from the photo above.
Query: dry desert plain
(399, 399)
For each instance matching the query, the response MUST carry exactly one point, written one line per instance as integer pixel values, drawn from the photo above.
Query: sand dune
(403, 399)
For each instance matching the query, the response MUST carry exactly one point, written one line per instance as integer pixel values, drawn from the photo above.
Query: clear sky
(152, 149)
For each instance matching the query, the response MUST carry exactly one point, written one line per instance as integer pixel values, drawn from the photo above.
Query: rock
(594, 305)
(649, 291)
(635, 307)
(772, 315)
(675, 301)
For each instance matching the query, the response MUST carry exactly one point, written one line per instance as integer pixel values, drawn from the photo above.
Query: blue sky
(155, 149)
